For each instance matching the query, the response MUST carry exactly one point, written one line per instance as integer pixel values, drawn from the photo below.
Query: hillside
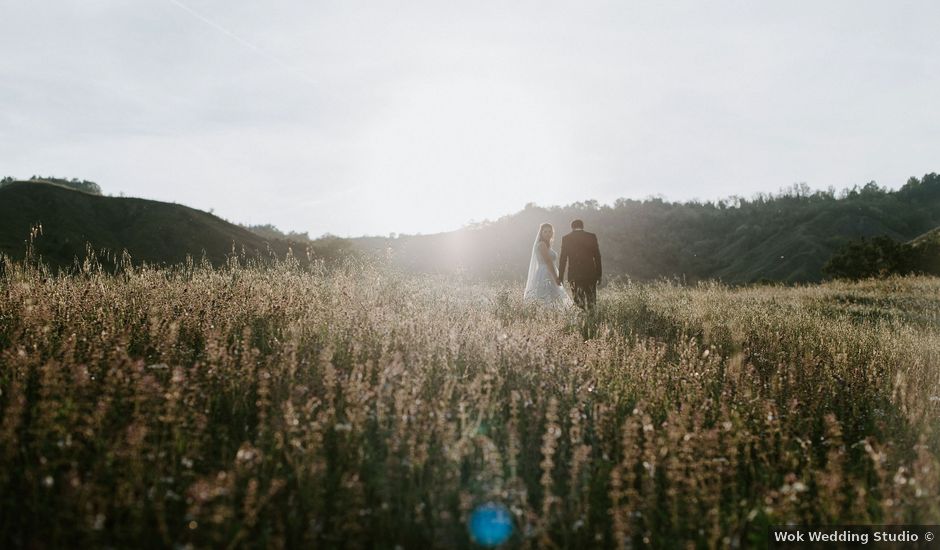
(71, 183)
(782, 238)
(151, 231)
(932, 236)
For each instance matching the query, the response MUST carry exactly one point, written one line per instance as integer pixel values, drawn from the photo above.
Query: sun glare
(448, 151)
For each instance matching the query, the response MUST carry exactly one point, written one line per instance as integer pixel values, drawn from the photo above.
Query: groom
(580, 253)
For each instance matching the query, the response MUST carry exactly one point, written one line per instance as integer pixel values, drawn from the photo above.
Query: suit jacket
(581, 255)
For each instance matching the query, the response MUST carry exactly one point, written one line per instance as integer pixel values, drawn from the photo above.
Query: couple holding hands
(580, 255)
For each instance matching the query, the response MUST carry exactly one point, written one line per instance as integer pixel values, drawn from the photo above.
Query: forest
(787, 237)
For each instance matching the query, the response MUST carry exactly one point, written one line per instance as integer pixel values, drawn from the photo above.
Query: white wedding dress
(539, 286)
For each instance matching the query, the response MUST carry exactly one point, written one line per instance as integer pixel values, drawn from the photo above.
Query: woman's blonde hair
(542, 228)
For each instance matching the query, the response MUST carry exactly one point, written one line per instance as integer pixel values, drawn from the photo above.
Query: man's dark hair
(577, 224)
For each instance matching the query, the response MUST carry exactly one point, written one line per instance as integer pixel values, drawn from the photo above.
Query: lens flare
(490, 524)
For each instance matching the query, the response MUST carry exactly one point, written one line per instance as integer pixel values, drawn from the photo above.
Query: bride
(543, 283)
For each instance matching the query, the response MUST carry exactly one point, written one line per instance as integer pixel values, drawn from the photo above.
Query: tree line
(789, 236)
(85, 186)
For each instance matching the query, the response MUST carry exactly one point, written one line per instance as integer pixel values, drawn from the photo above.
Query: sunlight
(446, 151)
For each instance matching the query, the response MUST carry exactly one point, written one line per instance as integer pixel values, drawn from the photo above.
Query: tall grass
(271, 406)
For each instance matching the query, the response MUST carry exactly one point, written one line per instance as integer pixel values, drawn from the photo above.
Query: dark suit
(581, 255)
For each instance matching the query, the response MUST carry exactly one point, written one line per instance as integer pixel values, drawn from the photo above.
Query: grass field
(264, 407)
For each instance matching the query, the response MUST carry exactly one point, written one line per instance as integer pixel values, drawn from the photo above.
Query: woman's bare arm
(543, 251)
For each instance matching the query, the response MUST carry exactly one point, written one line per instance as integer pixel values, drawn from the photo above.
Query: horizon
(838, 193)
(801, 187)
(368, 120)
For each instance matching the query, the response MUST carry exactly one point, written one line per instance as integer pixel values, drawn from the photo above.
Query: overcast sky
(375, 117)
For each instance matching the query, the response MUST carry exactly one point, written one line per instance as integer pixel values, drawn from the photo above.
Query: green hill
(151, 231)
(930, 237)
(787, 238)
(925, 252)
(73, 183)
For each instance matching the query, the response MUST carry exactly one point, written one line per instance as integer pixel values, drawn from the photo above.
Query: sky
(355, 118)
